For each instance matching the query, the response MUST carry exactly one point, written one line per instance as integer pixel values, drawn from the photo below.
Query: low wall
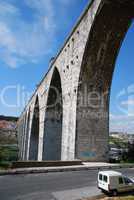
(29, 164)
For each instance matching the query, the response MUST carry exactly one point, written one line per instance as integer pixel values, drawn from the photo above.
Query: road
(52, 186)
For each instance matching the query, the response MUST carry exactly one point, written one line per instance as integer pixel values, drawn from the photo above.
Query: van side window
(105, 179)
(100, 177)
(120, 180)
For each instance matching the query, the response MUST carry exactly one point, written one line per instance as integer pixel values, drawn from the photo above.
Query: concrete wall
(85, 66)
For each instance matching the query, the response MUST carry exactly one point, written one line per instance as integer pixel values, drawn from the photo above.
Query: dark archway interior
(53, 120)
(23, 137)
(34, 138)
(92, 126)
(27, 135)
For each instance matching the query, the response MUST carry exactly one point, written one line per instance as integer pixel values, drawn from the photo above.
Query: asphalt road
(52, 186)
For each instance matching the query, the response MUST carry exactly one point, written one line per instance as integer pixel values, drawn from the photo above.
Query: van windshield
(127, 180)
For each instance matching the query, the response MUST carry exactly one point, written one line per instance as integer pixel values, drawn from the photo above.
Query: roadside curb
(96, 197)
(60, 169)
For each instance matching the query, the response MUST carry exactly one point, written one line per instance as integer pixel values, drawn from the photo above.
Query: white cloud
(41, 6)
(6, 37)
(68, 2)
(128, 102)
(29, 33)
(122, 123)
(21, 41)
(6, 8)
(12, 61)
(119, 117)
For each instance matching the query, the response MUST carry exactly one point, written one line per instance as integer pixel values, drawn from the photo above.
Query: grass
(5, 165)
(127, 162)
(8, 153)
(119, 198)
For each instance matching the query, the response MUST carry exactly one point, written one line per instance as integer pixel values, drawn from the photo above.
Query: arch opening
(121, 116)
(24, 135)
(53, 120)
(27, 135)
(34, 138)
(105, 38)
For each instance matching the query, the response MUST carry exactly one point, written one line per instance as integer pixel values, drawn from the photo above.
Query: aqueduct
(67, 117)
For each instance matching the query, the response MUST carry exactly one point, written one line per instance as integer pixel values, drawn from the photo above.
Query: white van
(114, 182)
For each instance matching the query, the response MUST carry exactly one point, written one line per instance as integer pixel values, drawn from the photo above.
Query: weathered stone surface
(72, 121)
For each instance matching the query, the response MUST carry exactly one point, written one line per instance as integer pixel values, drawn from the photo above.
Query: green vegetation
(128, 153)
(8, 142)
(119, 198)
(8, 153)
(119, 143)
(7, 139)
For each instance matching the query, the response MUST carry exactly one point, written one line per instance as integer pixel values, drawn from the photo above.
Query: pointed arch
(53, 120)
(105, 39)
(27, 134)
(34, 137)
(24, 135)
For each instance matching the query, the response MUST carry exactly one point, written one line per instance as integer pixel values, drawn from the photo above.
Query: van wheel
(114, 193)
(103, 191)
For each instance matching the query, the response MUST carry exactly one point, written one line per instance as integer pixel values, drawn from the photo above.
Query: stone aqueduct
(59, 123)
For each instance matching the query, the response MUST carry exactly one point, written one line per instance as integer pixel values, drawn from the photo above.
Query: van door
(100, 181)
(103, 182)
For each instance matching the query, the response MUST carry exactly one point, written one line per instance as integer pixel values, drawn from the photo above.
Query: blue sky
(31, 32)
